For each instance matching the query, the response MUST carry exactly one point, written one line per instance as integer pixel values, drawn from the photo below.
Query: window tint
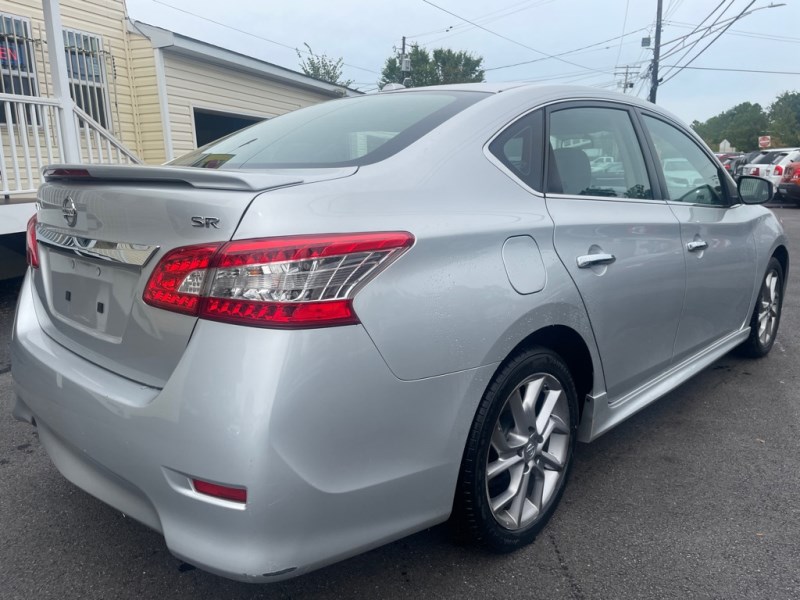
(595, 152)
(765, 158)
(518, 148)
(691, 176)
(348, 132)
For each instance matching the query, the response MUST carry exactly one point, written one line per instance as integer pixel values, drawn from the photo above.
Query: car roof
(538, 92)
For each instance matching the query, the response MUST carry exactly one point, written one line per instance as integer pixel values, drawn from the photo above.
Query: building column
(60, 78)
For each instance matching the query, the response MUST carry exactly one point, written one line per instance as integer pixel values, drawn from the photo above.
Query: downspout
(163, 101)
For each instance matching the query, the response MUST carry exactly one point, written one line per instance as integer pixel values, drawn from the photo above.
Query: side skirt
(601, 413)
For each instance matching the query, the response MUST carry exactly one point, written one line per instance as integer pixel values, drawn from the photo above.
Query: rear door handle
(697, 245)
(589, 260)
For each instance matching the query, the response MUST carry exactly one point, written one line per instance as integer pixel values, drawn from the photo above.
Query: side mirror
(754, 190)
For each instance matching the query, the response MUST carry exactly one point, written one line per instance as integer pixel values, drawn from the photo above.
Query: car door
(621, 247)
(717, 235)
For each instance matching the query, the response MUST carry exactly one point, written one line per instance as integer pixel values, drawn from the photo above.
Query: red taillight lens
(177, 281)
(778, 170)
(31, 245)
(234, 494)
(755, 172)
(298, 281)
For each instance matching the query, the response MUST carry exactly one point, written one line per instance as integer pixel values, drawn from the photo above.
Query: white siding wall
(193, 84)
(150, 128)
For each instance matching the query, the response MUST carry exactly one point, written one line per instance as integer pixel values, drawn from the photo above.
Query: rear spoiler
(244, 180)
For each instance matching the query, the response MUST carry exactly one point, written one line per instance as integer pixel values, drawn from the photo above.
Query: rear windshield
(338, 133)
(765, 159)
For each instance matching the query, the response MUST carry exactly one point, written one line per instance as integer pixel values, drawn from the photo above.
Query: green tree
(740, 125)
(441, 67)
(784, 119)
(320, 66)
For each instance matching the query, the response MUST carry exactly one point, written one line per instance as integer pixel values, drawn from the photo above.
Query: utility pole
(656, 55)
(625, 85)
(403, 61)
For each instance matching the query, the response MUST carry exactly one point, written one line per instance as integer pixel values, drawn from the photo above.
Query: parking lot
(698, 496)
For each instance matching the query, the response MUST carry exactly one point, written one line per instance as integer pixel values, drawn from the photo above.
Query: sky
(365, 33)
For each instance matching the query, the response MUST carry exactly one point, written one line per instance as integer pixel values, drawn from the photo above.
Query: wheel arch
(571, 347)
(781, 254)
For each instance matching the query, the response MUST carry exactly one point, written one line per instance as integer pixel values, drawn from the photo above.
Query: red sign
(764, 141)
(8, 53)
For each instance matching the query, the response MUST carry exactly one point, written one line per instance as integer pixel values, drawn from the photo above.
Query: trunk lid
(102, 229)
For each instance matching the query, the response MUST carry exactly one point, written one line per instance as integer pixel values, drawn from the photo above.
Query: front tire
(519, 452)
(766, 314)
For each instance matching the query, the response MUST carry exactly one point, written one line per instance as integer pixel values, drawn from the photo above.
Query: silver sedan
(346, 324)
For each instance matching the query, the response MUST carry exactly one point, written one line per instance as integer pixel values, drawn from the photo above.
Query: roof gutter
(163, 39)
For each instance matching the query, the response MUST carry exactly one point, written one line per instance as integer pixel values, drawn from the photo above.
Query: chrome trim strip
(118, 252)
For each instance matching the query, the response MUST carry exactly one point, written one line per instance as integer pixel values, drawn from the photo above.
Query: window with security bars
(17, 63)
(86, 70)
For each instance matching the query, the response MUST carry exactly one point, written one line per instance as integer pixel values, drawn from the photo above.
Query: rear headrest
(574, 170)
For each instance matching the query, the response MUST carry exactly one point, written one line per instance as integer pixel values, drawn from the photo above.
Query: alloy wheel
(528, 452)
(769, 307)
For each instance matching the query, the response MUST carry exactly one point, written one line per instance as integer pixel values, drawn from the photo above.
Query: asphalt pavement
(697, 496)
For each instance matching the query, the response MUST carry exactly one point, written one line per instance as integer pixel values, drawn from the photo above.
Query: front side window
(595, 152)
(17, 63)
(338, 133)
(87, 74)
(690, 174)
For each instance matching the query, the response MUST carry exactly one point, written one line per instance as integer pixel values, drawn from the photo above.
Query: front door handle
(590, 260)
(696, 245)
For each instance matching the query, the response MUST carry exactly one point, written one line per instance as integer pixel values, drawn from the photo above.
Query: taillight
(755, 172)
(31, 245)
(177, 280)
(778, 170)
(298, 281)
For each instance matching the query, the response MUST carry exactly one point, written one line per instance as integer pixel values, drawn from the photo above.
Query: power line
(624, 25)
(488, 18)
(232, 28)
(696, 29)
(748, 34)
(696, 56)
(508, 39)
(535, 60)
(740, 70)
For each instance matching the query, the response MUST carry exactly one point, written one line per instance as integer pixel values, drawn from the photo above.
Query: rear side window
(595, 152)
(519, 148)
(348, 132)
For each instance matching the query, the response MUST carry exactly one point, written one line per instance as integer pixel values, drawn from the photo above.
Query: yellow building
(110, 90)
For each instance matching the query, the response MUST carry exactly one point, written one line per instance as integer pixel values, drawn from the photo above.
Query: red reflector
(31, 245)
(234, 494)
(66, 173)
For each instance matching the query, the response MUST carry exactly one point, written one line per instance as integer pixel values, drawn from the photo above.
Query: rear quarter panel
(446, 305)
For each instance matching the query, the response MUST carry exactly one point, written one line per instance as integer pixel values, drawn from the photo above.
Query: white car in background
(771, 164)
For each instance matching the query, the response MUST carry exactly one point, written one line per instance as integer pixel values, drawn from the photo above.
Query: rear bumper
(790, 191)
(338, 455)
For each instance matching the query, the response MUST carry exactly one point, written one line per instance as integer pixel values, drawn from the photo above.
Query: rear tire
(519, 452)
(766, 314)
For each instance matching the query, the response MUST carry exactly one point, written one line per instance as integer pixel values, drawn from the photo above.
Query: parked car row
(772, 164)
